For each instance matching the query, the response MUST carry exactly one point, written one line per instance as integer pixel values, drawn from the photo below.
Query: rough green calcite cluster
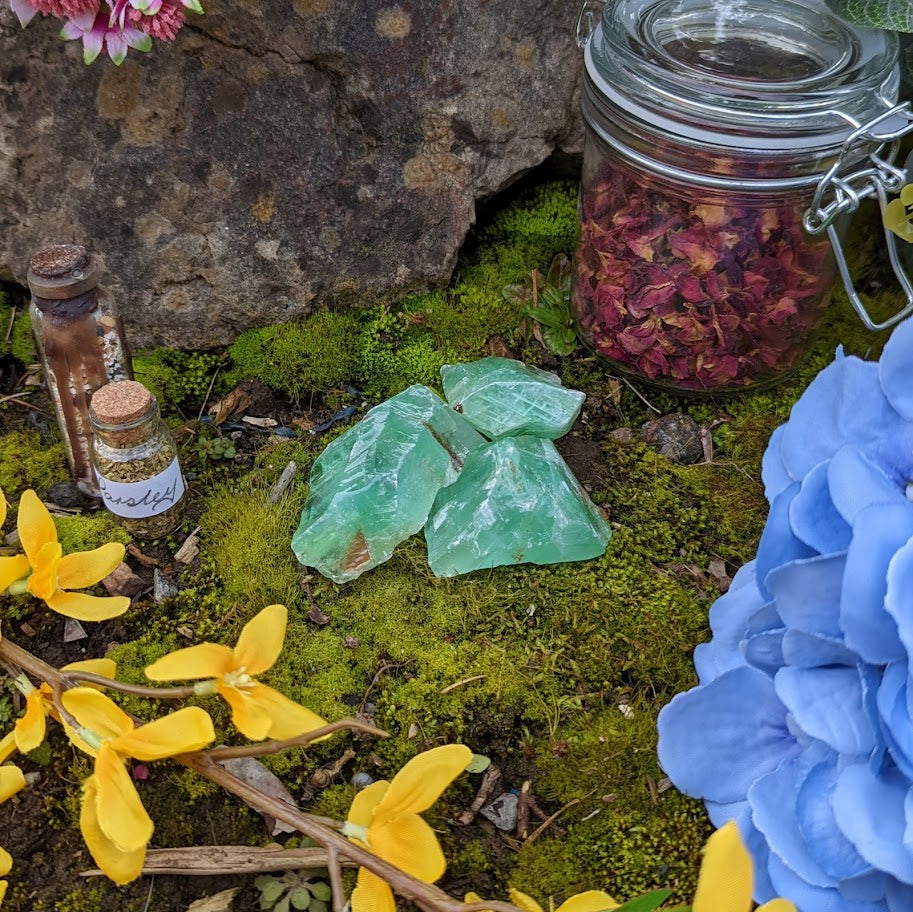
(516, 501)
(501, 397)
(373, 487)
(414, 461)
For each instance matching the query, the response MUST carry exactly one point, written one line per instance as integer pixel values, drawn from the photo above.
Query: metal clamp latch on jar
(836, 196)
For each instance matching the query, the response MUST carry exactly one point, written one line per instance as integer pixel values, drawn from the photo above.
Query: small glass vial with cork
(136, 460)
(81, 343)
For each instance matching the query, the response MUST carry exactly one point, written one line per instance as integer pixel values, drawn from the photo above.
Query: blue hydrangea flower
(801, 727)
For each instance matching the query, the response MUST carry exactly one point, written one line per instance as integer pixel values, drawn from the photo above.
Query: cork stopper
(62, 271)
(120, 403)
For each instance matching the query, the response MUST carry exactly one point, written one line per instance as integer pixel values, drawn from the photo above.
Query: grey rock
(502, 812)
(278, 156)
(677, 437)
(65, 494)
(163, 586)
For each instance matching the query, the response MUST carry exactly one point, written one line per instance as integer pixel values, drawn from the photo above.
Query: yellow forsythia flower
(384, 819)
(6, 863)
(113, 821)
(257, 711)
(590, 901)
(53, 573)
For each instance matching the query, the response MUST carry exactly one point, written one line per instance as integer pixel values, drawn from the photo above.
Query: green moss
(27, 460)
(298, 358)
(22, 342)
(92, 530)
(176, 378)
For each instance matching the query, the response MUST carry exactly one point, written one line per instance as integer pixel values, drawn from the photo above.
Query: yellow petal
(118, 809)
(84, 607)
(7, 746)
(288, 719)
(420, 782)
(409, 843)
(365, 802)
(261, 640)
(13, 568)
(523, 901)
(86, 568)
(180, 732)
(2, 511)
(6, 861)
(590, 901)
(777, 905)
(118, 865)
(30, 728)
(36, 528)
(372, 894)
(726, 877)
(96, 712)
(11, 781)
(207, 660)
(105, 668)
(43, 581)
(3, 886)
(248, 716)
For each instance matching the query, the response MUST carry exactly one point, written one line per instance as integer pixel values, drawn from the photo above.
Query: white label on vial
(140, 499)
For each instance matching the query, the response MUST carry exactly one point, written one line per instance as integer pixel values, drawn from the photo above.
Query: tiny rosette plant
(258, 711)
(384, 818)
(801, 727)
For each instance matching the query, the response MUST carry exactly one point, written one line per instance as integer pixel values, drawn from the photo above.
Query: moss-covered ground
(556, 673)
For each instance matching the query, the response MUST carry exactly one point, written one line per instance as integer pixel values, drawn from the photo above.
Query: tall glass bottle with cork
(81, 343)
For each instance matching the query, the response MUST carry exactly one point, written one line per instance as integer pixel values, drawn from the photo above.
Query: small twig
(639, 395)
(149, 896)
(490, 780)
(523, 810)
(9, 326)
(17, 401)
(137, 690)
(212, 383)
(262, 748)
(285, 479)
(25, 392)
(457, 684)
(550, 820)
(335, 869)
(535, 278)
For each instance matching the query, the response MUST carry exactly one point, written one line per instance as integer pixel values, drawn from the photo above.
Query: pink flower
(164, 24)
(97, 33)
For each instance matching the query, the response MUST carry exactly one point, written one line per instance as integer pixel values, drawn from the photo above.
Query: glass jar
(708, 128)
(81, 343)
(136, 460)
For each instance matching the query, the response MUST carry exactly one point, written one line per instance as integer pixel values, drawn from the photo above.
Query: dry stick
(425, 895)
(137, 690)
(334, 866)
(262, 748)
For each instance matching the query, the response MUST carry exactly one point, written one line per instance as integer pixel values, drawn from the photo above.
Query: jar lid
(770, 75)
(121, 403)
(62, 271)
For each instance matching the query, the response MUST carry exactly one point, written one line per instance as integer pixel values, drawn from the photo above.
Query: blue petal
(764, 620)
(877, 534)
(773, 811)
(814, 518)
(716, 739)
(827, 703)
(839, 406)
(808, 898)
(869, 810)
(773, 472)
(855, 482)
(807, 594)
(778, 544)
(809, 650)
(728, 618)
(891, 700)
(895, 370)
(899, 896)
(740, 812)
(868, 887)
(898, 601)
(815, 819)
(765, 651)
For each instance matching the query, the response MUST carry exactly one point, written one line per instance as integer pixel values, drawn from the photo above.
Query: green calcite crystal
(374, 486)
(501, 397)
(515, 502)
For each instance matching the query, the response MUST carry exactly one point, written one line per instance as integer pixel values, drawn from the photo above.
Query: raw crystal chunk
(515, 502)
(374, 486)
(502, 397)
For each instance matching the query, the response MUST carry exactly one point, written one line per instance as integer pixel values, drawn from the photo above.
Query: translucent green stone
(502, 397)
(515, 502)
(374, 486)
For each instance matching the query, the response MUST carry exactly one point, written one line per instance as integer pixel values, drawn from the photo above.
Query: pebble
(677, 437)
(163, 587)
(64, 494)
(361, 780)
(502, 812)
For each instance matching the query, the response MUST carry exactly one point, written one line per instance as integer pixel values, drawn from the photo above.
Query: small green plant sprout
(215, 448)
(547, 304)
(293, 890)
